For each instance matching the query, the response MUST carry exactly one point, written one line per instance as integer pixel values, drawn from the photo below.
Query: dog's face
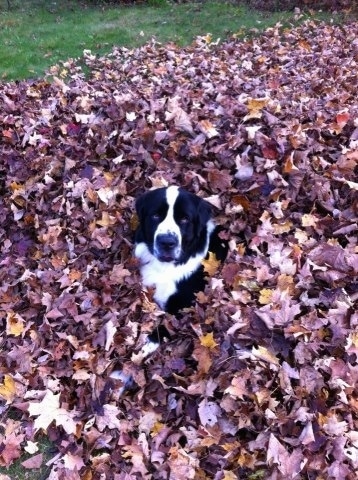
(172, 223)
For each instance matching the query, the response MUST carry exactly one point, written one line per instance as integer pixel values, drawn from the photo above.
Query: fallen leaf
(209, 413)
(255, 106)
(263, 353)
(8, 389)
(34, 462)
(14, 324)
(208, 341)
(211, 264)
(48, 410)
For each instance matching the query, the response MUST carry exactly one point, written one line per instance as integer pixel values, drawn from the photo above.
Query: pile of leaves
(259, 378)
(286, 5)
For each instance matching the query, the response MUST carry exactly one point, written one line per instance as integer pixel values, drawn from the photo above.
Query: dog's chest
(165, 276)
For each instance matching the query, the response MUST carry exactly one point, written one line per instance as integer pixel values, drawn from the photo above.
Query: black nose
(167, 241)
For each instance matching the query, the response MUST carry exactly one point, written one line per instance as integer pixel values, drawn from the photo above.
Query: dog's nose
(167, 241)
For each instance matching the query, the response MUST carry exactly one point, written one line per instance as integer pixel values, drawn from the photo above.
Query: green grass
(35, 34)
(17, 472)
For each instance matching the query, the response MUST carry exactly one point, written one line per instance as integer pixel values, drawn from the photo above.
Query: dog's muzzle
(166, 247)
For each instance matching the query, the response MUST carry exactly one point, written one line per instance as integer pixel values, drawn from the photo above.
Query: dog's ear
(204, 213)
(139, 205)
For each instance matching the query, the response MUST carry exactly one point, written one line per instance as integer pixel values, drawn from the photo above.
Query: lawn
(37, 34)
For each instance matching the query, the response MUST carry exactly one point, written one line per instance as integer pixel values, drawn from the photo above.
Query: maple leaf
(107, 195)
(255, 106)
(11, 440)
(203, 357)
(182, 464)
(118, 274)
(209, 412)
(49, 410)
(219, 180)
(238, 387)
(211, 264)
(288, 464)
(332, 425)
(208, 341)
(338, 470)
(265, 296)
(108, 418)
(72, 462)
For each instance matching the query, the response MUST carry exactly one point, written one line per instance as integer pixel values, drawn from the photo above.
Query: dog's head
(173, 223)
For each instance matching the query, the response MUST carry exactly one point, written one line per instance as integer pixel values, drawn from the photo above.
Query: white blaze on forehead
(168, 225)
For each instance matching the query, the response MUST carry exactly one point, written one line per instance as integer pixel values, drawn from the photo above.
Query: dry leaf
(34, 462)
(49, 410)
(211, 264)
(208, 340)
(8, 389)
(14, 324)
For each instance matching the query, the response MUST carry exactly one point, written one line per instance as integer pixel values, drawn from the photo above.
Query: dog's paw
(121, 382)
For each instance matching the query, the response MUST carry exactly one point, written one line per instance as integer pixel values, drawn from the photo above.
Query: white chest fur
(164, 276)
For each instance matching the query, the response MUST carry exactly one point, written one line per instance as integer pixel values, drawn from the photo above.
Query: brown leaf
(219, 180)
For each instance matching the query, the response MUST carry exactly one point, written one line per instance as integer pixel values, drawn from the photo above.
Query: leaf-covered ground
(259, 380)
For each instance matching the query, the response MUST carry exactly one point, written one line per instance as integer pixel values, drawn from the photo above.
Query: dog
(175, 234)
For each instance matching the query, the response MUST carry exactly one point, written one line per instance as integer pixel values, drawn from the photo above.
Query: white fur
(168, 226)
(164, 276)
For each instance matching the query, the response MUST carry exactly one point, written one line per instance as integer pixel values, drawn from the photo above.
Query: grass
(36, 34)
(17, 472)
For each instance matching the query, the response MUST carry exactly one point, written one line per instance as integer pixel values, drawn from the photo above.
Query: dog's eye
(184, 220)
(156, 216)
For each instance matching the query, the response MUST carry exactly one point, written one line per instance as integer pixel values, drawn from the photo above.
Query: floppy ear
(139, 205)
(204, 213)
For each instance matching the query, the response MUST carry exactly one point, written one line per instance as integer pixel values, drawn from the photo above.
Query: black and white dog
(175, 234)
